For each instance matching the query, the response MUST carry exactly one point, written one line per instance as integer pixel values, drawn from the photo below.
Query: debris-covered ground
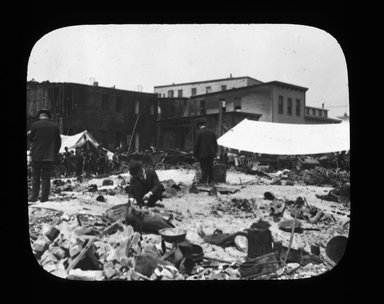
(75, 235)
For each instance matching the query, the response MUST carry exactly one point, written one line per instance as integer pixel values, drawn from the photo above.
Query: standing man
(205, 149)
(46, 141)
(79, 162)
(67, 161)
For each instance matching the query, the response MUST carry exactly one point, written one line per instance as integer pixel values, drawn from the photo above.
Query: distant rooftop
(206, 81)
(279, 83)
(34, 83)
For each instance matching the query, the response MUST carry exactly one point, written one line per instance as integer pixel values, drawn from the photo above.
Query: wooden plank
(81, 254)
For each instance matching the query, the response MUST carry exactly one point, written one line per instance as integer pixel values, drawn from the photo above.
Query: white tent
(287, 139)
(78, 140)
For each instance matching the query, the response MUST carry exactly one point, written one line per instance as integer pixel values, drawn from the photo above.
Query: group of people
(85, 160)
(144, 188)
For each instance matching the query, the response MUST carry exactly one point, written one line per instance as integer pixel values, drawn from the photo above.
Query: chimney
(95, 83)
(322, 105)
(230, 75)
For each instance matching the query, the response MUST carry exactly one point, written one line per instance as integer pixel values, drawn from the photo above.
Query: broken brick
(48, 257)
(52, 233)
(75, 250)
(40, 245)
(118, 267)
(65, 245)
(82, 230)
(109, 272)
(58, 252)
(108, 265)
(127, 262)
(50, 267)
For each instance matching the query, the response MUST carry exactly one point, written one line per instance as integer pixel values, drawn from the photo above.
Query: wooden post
(220, 122)
(133, 133)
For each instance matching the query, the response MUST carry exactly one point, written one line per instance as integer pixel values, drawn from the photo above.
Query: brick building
(109, 114)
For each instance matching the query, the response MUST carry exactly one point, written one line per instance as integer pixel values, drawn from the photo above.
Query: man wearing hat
(144, 185)
(45, 145)
(205, 150)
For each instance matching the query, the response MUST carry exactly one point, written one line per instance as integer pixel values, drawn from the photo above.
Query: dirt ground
(196, 214)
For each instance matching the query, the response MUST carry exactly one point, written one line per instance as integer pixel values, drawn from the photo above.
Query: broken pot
(336, 247)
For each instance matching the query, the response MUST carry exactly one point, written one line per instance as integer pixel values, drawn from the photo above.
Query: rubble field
(73, 235)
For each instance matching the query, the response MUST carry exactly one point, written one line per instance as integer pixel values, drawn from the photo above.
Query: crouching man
(145, 186)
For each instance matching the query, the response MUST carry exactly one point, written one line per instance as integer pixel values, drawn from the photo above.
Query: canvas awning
(287, 139)
(78, 140)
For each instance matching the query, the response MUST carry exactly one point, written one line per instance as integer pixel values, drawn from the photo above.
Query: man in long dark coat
(205, 150)
(46, 141)
(144, 185)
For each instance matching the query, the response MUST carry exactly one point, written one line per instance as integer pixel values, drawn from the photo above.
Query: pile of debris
(238, 207)
(172, 189)
(86, 248)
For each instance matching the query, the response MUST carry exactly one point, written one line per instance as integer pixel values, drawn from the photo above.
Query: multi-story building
(109, 114)
(273, 101)
(203, 87)
(314, 115)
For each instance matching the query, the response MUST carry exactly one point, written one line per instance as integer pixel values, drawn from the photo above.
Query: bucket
(219, 173)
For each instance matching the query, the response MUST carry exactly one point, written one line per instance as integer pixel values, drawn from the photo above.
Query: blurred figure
(46, 141)
(67, 160)
(79, 162)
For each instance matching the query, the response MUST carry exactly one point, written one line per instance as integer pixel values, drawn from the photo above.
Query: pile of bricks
(67, 249)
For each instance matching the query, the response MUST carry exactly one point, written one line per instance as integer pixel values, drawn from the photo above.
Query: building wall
(108, 114)
(287, 92)
(201, 87)
(256, 100)
(258, 104)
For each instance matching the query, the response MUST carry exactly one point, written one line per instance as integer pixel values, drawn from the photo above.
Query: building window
(237, 104)
(152, 109)
(281, 105)
(119, 104)
(223, 105)
(208, 90)
(223, 87)
(325, 113)
(179, 93)
(298, 107)
(164, 95)
(159, 95)
(137, 107)
(104, 102)
(202, 107)
(307, 111)
(170, 93)
(193, 91)
(289, 107)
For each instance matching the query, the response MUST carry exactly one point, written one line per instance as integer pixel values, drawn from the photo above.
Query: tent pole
(133, 132)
